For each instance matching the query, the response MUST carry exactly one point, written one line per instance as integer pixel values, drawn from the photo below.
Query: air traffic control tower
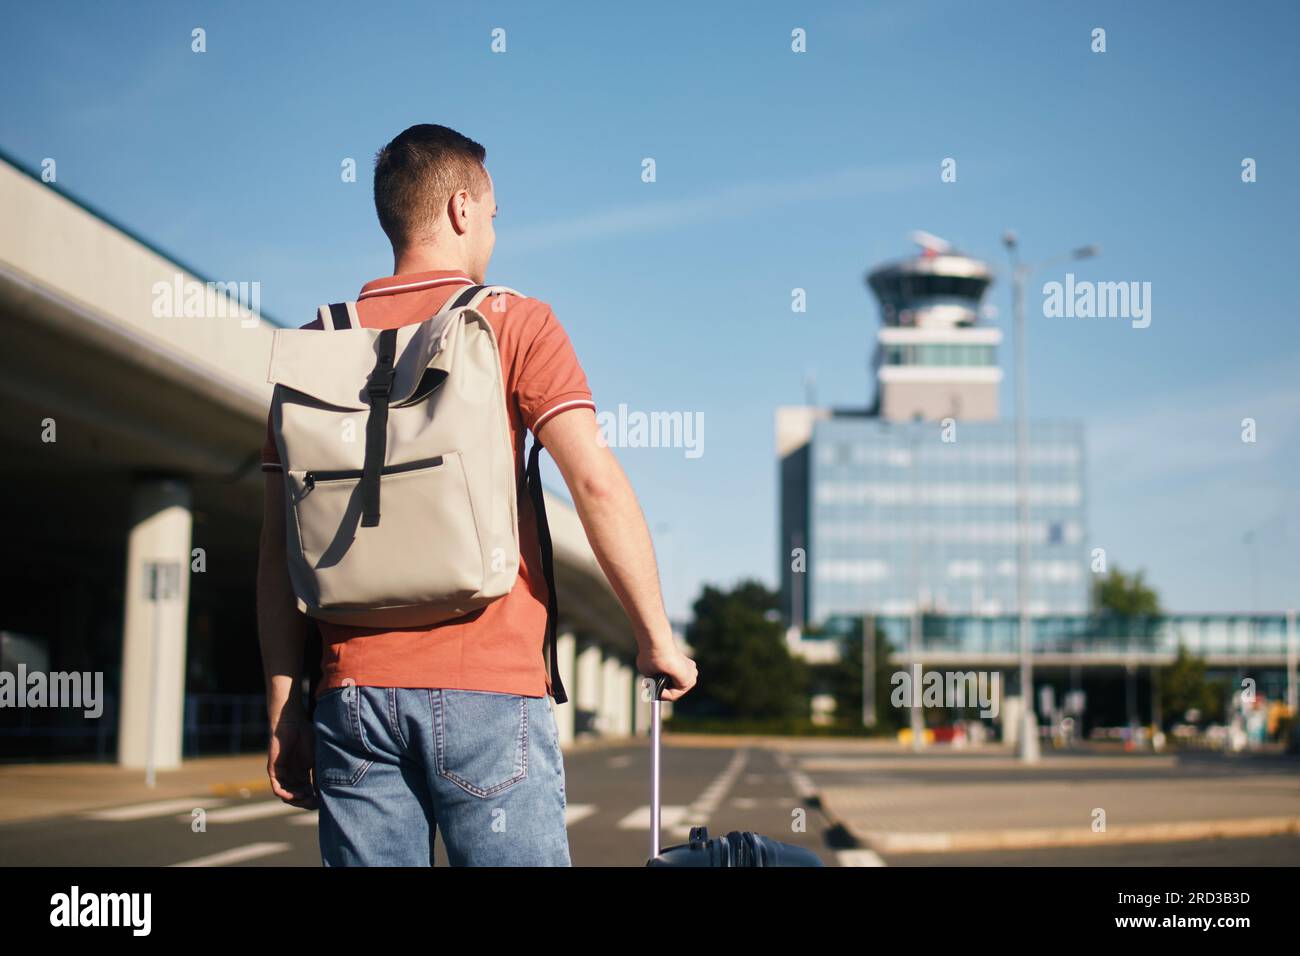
(907, 504)
(932, 359)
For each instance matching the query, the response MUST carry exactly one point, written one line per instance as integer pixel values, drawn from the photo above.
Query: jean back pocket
(480, 738)
(342, 754)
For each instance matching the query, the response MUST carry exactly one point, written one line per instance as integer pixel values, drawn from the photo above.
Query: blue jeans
(394, 766)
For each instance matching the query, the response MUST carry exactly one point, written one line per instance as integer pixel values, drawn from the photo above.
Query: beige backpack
(400, 480)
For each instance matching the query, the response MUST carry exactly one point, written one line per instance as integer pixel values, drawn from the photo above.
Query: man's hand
(667, 659)
(291, 760)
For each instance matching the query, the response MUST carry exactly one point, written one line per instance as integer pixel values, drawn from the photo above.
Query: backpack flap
(318, 376)
(334, 369)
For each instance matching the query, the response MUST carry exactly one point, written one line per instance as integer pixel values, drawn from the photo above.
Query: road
(608, 795)
(753, 787)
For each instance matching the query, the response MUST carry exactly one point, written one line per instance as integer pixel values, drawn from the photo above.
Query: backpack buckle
(380, 385)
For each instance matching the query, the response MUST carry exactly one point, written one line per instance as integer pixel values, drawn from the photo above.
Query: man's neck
(428, 259)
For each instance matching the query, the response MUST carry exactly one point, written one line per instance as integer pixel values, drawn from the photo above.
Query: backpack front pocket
(425, 548)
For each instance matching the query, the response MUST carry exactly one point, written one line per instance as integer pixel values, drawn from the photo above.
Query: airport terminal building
(910, 504)
(901, 517)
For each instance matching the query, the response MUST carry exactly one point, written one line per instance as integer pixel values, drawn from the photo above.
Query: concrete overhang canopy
(131, 391)
(86, 345)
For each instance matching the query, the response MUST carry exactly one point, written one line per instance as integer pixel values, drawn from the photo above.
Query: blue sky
(775, 170)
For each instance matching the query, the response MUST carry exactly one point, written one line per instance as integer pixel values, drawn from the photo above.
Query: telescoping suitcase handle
(736, 849)
(660, 682)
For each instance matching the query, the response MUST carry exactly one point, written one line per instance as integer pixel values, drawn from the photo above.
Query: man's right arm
(282, 632)
(617, 532)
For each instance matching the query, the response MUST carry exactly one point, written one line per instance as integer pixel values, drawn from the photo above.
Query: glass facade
(1242, 636)
(898, 517)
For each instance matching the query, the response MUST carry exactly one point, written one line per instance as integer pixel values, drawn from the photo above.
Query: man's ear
(458, 211)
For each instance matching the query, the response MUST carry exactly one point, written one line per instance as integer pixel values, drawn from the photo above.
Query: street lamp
(1020, 272)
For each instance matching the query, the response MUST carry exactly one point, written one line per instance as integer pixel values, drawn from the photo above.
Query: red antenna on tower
(931, 245)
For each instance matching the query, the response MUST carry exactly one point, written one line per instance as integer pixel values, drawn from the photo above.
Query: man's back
(451, 727)
(498, 648)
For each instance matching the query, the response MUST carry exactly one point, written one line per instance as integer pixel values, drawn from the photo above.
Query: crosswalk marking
(859, 858)
(639, 819)
(802, 784)
(704, 806)
(251, 811)
(578, 811)
(240, 854)
(159, 808)
(574, 812)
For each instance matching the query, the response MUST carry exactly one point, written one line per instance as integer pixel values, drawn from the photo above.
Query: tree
(746, 670)
(1184, 687)
(844, 680)
(1125, 608)
(1124, 595)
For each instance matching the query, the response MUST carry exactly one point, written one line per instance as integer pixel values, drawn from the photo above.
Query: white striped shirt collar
(412, 285)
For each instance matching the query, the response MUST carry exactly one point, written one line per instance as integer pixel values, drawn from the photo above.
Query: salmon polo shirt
(499, 647)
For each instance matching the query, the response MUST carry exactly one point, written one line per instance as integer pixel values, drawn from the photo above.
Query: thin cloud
(1177, 492)
(727, 203)
(1196, 431)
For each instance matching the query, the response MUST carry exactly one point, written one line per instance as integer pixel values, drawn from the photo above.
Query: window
(940, 354)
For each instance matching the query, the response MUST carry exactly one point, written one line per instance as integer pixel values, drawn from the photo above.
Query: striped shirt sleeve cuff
(561, 406)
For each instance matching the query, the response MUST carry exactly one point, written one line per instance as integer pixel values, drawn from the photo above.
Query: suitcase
(737, 848)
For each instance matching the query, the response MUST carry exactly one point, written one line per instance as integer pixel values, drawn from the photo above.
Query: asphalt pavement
(794, 791)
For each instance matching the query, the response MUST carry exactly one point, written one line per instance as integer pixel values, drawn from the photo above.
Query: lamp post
(916, 715)
(1020, 272)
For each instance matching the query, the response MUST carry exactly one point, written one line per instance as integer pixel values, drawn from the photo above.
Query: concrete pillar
(1012, 716)
(608, 695)
(152, 705)
(626, 692)
(616, 697)
(641, 705)
(587, 693)
(566, 647)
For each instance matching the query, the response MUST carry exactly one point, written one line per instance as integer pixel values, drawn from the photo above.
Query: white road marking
(239, 854)
(639, 819)
(698, 813)
(619, 762)
(250, 811)
(802, 784)
(578, 811)
(573, 813)
(859, 858)
(159, 808)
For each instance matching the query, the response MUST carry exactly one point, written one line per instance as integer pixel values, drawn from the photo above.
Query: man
(450, 728)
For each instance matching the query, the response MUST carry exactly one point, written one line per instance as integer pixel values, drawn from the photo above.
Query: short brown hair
(417, 173)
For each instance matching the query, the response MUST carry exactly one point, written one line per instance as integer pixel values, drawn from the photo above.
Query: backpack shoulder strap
(472, 295)
(533, 478)
(339, 315)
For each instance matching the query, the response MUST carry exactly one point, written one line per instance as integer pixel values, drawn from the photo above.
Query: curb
(241, 788)
(965, 841)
